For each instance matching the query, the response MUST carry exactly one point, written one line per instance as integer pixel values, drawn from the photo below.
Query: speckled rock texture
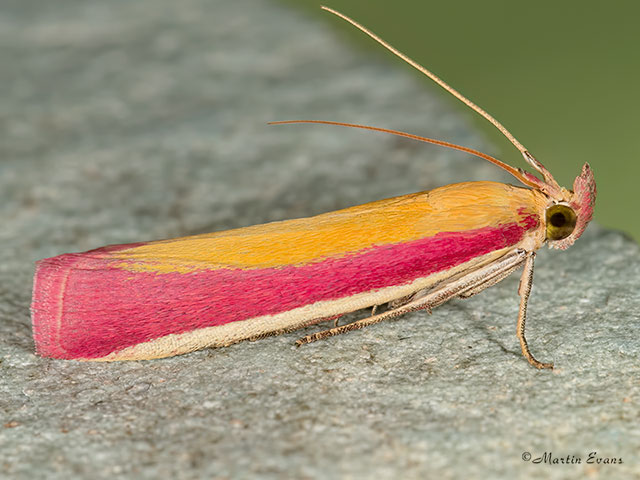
(128, 121)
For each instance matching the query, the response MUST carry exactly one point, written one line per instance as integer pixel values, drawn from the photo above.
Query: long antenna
(530, 180)
(432, 76)
(552, 185)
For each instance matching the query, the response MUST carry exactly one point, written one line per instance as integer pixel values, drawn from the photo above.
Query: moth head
(570, 214)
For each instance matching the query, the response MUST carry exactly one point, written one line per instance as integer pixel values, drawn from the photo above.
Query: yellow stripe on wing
(458, 207)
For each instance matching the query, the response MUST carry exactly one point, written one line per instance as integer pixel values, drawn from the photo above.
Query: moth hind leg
(336, 319)
(374, 309)
(427, 299)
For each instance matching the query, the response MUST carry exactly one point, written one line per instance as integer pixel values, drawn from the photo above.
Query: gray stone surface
(127, 121)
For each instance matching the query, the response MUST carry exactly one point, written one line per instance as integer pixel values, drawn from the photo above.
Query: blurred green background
(563, 77)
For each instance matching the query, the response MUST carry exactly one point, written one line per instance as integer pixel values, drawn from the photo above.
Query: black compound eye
(561, 221)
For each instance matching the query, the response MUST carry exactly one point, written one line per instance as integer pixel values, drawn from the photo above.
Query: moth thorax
(560, 221)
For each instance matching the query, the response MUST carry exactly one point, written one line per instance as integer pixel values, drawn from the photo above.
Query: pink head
(581, 201)
(569, 211)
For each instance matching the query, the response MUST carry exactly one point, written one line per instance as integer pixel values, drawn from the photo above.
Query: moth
(168, 297)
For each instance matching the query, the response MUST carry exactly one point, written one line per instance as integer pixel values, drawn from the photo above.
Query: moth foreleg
(524, 290)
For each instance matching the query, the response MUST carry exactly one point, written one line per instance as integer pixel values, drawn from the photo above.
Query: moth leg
(524, 290)
(432, 299)
(488, 283)
(398, 302)
(336, 320)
